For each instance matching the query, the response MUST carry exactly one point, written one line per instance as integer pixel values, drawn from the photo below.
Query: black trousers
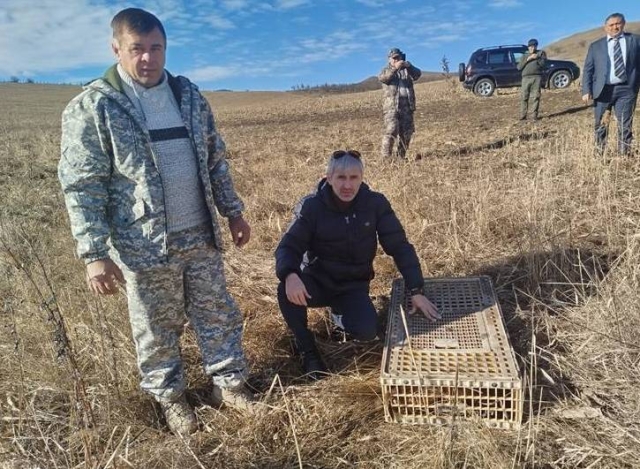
(359, 316)
(622, 99)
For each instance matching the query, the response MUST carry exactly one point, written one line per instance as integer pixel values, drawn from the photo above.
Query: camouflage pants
(191, 286)
(530, 88)
(398, 126)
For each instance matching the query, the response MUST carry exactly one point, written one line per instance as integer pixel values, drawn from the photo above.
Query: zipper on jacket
(154, 158)
(145, 131)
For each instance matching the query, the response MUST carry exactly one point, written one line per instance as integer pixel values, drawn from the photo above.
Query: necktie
(618, 62)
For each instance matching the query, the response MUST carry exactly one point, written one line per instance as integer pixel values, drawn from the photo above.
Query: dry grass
(531, 206)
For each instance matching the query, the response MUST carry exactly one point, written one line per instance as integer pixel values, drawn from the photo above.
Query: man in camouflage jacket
(399, 102)
(144, 172)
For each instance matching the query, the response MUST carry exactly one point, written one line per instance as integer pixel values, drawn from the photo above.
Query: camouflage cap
(394, 51)
(532, 42)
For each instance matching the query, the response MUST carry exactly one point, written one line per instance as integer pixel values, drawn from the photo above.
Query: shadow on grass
(532, 287)
(494, 145)
(571, 110)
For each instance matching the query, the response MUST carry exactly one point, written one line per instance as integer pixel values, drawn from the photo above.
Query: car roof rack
(509, 46)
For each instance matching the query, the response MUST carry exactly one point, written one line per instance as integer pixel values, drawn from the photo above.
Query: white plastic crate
(460, 367)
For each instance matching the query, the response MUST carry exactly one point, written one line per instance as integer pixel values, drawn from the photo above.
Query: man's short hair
(615, 15)
(532, 42)
(344, 163)
(137, 21)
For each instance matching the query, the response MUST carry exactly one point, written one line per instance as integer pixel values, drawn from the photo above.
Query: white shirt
(612, 79)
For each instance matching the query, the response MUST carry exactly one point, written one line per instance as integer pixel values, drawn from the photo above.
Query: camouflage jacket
(532, 67)
(390, 77)
(111, 183)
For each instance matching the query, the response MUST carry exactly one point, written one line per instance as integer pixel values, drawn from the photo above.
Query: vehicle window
(517, 55)
(480, 58)
(498, 57)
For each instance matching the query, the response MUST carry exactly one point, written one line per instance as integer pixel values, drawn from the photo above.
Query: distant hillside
(372, 83)
(368, 84)
(575, 47)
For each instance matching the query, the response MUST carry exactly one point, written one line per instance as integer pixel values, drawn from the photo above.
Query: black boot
(313, 365)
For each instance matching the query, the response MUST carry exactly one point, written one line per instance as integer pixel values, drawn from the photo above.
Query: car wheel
(461, 72)
(484, 87)
(560, 79)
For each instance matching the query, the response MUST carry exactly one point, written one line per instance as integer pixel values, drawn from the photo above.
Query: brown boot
(239, 398)
(179, 415)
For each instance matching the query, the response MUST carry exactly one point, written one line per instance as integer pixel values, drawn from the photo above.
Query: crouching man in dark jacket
(325, 258)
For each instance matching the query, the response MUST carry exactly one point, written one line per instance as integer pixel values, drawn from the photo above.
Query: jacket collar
(112, 78)
(111, 86)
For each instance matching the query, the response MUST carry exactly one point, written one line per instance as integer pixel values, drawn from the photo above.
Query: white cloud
(288, 4)
(219, 22)
(329, 48)
(462, 5)
(505, 3)
(211, 73)
(378, 3)
(235, 5)
(45, 37)
(372, 3)
(446, 38)
(438, 41)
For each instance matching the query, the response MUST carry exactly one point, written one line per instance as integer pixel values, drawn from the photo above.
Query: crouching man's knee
(365, 332)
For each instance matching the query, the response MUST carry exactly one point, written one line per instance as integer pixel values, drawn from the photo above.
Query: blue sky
(276, 44)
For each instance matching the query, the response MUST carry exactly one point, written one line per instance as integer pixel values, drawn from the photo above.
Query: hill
(368, 84)
(372, 83)
(575, 46)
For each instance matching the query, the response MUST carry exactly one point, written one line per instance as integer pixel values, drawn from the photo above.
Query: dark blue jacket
(338, 246)
(597, 65)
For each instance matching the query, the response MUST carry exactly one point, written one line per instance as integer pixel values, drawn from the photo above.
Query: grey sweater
(184, 199)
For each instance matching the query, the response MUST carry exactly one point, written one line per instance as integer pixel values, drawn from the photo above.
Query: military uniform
(116, 202)
(532, 71)
(398, 106)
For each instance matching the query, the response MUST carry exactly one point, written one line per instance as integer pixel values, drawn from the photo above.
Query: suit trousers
(622, 100)
(359, 316)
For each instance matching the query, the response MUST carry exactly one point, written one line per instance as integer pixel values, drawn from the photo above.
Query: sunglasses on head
(336, 155)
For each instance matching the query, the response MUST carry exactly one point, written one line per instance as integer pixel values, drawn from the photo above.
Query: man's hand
(240, 231)
(296, 291)
(103, 277)
(421, 303)
(398, 64)
(533, 56)
(586, 97)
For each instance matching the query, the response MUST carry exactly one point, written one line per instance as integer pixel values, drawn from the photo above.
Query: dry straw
(555, 226)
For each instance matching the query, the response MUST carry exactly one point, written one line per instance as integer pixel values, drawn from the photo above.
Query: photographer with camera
(399, 102)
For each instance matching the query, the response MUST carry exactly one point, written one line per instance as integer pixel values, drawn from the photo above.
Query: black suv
(496, 67)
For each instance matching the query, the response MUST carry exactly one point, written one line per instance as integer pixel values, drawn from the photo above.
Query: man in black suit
(612, 79)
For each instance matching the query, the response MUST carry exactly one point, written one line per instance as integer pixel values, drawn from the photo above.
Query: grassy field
(530, 205)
